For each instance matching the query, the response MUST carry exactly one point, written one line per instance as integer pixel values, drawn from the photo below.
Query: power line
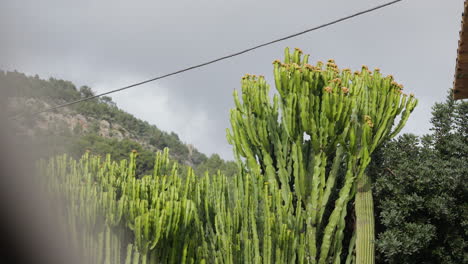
(219, 59)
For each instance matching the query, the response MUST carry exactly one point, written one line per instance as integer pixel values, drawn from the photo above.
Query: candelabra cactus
(323, 124)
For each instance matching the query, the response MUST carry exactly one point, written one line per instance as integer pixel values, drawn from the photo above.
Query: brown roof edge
(460, 83)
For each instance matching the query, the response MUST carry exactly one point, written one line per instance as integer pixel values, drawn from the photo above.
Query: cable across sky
(218, 59)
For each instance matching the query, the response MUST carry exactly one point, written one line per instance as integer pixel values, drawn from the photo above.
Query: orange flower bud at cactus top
(328, 89)
(336, 80)
(298, 49)
(345, 90)
(368, 120)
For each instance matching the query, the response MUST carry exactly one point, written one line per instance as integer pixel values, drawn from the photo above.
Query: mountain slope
(97, 125)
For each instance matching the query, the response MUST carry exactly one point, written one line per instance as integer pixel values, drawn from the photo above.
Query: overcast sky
(109, 44)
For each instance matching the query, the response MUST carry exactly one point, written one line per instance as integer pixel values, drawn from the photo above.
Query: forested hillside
(97, 125)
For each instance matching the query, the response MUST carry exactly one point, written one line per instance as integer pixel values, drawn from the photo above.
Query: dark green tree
(421, 192)
(214, 164)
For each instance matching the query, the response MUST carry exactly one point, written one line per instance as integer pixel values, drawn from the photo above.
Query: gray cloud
(108, 44)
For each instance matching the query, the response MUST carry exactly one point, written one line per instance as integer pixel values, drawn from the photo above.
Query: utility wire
(219, 59)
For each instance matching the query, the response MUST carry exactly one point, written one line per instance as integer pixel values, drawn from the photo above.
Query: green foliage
(214, 164)
(20, 85)
(421, 192)
(118, 149)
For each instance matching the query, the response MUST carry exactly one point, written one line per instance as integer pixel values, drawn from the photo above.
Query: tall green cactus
(315, 139)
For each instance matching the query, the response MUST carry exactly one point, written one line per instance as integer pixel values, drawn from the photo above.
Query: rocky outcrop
(65, 121)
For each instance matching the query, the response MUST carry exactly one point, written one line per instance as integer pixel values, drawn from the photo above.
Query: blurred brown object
(29, 225)
(460, 84)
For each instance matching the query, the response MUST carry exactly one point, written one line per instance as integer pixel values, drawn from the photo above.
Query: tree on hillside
(86, 91)
(214, 164)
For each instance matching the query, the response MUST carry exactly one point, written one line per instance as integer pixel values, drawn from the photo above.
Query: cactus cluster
(302, 157)
(115, 217)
